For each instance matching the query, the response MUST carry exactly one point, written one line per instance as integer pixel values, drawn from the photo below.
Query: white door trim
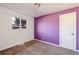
(60, 42)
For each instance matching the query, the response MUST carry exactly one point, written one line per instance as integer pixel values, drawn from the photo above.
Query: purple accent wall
(77, 43)
(47, 26)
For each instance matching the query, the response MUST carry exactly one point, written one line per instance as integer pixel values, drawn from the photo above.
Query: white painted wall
(10, 37)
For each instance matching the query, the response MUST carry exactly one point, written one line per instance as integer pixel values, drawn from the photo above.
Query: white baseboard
(54, 44)
(76, 50)
(19, 43)
(48, 43)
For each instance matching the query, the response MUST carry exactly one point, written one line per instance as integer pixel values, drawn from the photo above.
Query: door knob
(72, 33)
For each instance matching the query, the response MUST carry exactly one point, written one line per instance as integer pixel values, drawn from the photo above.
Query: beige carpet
(40, 48)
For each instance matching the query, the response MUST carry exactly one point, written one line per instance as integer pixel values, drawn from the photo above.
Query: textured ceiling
(45, 8)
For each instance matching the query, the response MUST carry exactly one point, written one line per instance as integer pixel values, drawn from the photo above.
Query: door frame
(60, 40)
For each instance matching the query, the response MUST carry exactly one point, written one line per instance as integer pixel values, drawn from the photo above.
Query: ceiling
(45, 8)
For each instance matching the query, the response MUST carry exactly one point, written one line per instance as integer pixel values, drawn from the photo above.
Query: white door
(67, 30)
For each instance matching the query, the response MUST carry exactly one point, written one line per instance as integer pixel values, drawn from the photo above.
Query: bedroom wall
(11, 37)
(47, 27)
